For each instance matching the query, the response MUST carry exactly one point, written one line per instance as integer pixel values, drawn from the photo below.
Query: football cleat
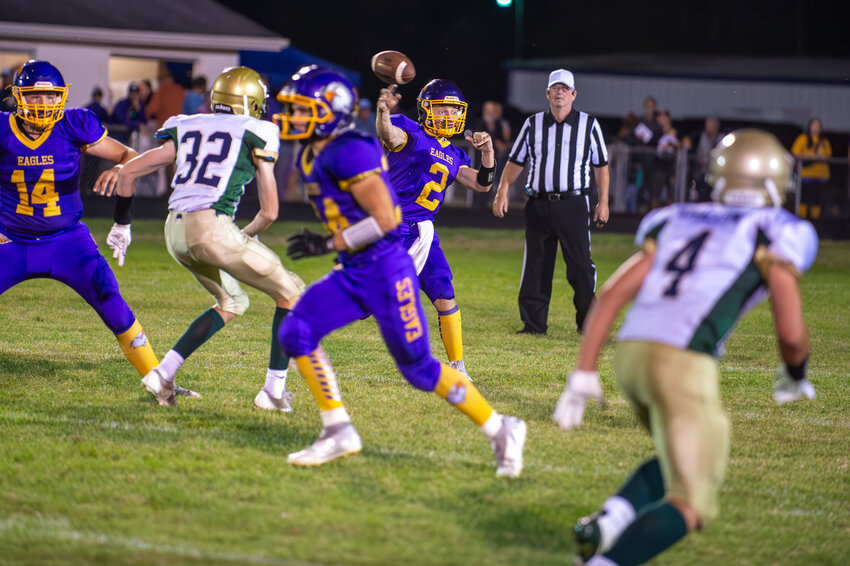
(337, 441)
(183, 392)
(265, 401)
(587, 536)
(507, 447)
(458, 365)
(162, 390)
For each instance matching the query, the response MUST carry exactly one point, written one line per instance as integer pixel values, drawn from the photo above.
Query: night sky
(468, 41)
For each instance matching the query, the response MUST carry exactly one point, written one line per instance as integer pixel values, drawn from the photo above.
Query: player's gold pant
(219, 255)
(676, 395)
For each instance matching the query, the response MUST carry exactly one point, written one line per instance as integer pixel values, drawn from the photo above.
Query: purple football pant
(382, 284)
(70, 257)
(435, 279)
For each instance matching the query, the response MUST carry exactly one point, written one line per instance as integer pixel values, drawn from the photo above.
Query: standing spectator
(130, 112)
(645, 142)
(493, 122)
(664, 171)
(364, 120)
(145, 91)
(95, 105)
(561, 145)
(707, 141)
(808, 146)
(166, 101)
(748, 247)
(196, 100)
(634, 175)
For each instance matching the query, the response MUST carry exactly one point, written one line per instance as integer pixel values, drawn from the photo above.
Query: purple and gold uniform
(379, 280)
(420, 171)
(41, 235)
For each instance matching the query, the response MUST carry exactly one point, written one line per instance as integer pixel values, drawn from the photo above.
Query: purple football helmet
(442, 108)
(317, 102)
(36, 77)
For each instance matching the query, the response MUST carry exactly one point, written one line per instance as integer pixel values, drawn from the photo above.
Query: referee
(560, 146)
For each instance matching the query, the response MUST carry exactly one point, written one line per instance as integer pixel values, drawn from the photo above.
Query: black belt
(562, 195)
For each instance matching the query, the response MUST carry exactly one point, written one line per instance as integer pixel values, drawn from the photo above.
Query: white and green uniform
(215, 158)
(706, 272)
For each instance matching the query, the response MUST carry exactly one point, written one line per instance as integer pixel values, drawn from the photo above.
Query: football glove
(118, 240)
(306, 244)
(788, 390)
(581, 386)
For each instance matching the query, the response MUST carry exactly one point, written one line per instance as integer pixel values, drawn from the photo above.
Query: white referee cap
(561, 76)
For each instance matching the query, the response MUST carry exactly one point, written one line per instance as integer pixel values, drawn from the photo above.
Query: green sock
(201, 330)
(644, 486)
(656, 528)
(277, 357)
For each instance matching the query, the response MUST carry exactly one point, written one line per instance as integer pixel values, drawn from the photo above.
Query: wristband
(362, 233)
(798, 372)
(123, 213)
(485, 176)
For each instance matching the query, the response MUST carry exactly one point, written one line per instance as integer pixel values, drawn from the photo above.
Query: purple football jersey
(421, 169)
(39, 179)
(327, 177)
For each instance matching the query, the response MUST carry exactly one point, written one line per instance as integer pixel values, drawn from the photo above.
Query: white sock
(275, 382)
(334, 417)
(599, 560)
(492, 425)
(618, 514)
(169, 365)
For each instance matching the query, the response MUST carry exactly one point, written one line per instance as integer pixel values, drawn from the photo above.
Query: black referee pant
(548, 222)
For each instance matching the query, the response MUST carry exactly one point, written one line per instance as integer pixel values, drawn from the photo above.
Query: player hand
(388, 99)
(600, 215)
(787, 390)
(118, 240)
(581, 386)
(306, 244)
(107, 181)
(479, 140)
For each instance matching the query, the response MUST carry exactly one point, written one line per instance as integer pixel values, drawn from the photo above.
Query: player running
(216, 155)
(345, 173)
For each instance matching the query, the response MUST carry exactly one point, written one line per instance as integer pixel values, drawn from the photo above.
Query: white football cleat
(507, 447)
(337, 441)
(458, 365)
(162, 390)
(265, 401)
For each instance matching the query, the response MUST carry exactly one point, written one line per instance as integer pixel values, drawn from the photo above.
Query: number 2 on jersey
(683, 262)
(422, 199)
(194, 139)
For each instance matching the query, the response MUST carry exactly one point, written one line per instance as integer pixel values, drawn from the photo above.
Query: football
(393, 67)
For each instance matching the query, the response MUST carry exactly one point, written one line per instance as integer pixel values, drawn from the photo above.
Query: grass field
(92, 471)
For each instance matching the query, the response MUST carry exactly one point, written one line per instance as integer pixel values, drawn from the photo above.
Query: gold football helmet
(750, 167)
(239, 90)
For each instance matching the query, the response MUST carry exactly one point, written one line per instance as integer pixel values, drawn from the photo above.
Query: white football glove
(787, 390)
(119, 239)
(581, 386)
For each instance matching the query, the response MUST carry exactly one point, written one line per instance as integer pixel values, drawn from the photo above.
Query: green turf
(93, 472)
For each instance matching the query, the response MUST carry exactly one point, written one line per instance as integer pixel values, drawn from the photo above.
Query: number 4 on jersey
(683, 262)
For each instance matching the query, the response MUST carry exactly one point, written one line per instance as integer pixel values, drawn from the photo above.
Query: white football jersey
(705, 274)
(215, 158)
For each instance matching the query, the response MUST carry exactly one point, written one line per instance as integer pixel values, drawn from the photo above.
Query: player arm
(373, 195)
(116, 152)
(267, 193)
(620, 289)
(391, 136)
(787, 306)
(479, 179)
(144, 164)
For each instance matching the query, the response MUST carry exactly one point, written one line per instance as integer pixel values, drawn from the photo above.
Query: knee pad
(422, 373)
(235, 305)
(296, 337)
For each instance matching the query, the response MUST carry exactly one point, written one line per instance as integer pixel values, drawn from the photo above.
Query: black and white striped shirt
(559, 154)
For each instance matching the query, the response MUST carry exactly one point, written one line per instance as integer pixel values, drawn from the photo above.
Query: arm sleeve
(599, 152)
(794, 241)
(359, 158)
(266, 142)
(83, 127)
